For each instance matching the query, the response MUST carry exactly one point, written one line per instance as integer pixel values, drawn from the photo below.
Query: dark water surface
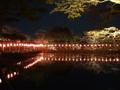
(54, 71)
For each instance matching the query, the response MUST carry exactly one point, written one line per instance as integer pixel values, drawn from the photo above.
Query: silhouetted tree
(59, 34)
(12, 33)
(14, 10)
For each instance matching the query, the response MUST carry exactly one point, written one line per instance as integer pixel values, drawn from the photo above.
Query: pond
(86, 71)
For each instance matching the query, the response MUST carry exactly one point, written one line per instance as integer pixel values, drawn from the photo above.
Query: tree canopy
(75, 8)
(105, 35)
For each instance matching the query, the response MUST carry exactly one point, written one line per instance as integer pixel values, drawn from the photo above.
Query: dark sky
(58, 19)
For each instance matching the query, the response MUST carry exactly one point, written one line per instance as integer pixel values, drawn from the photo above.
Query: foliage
(75, 8)
(106, 35)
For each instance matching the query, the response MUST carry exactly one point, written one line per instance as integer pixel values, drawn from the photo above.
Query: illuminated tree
(106, 35)
(75, 8)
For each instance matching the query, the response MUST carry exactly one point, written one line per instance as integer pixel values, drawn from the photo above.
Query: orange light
(4, 45)
(8, 45)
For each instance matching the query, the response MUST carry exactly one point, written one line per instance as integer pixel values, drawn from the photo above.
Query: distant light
(8, 76)
(11, 75)
(15, 73)
(117, 59)
(8, 45)
(4, 45)
(11, 44)
(0, 80)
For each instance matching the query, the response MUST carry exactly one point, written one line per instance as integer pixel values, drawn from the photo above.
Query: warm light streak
(33, 63)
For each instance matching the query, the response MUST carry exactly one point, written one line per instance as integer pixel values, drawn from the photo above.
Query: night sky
(59, 19)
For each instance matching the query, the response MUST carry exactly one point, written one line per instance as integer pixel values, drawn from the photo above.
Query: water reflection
(51, 65)
(92, 60)
(71, 57)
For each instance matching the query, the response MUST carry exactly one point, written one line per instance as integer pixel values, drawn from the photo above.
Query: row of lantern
(19, 47)
(82, 45)
(83, 59)
(20, 44)
(12, 75)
